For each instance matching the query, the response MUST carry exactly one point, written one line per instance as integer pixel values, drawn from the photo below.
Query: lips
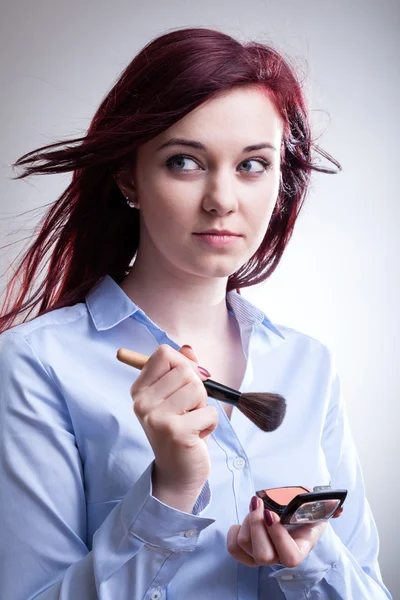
(217, 232)
(217, 238)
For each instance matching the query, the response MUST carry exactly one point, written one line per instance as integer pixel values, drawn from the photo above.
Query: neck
(188, 309)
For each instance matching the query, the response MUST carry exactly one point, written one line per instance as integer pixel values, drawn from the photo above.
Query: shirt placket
(239, 466)
(225, 437)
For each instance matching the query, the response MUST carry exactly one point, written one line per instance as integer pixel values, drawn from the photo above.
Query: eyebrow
(200, 146)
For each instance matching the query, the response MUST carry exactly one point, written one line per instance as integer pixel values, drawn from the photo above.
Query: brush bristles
(266, 410)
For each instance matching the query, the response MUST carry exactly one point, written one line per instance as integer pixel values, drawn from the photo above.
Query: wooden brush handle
(214, 389)
(256, 407)
(132, 358)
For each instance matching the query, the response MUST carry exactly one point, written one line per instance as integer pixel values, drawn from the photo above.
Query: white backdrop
(339, 278)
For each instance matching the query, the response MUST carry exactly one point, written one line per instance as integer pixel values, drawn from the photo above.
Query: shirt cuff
(315, 566)
(157, 524)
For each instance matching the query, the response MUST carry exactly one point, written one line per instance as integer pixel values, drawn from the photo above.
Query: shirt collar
(247, 313)
(108, 305)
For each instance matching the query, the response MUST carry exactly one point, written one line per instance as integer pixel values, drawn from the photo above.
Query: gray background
(339, 279)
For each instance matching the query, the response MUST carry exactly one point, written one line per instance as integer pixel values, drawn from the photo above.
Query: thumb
(188, 351)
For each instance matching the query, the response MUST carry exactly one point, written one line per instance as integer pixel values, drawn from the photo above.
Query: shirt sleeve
(344, 562)
(43, 553)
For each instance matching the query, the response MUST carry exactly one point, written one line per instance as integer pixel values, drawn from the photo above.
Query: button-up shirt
(78, 519)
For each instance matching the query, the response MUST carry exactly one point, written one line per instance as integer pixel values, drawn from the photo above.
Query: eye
(179, 160)
(265, 165)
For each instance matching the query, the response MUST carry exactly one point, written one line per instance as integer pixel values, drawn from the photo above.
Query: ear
(124, 180)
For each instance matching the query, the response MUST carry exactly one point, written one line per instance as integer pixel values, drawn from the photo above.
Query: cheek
(258, 221)
(165, 215)
(261, 213)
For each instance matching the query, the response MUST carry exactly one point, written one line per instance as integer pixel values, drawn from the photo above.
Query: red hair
(92, 229)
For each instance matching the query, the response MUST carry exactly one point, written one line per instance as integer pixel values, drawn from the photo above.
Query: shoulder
(294, 340)
(297, 337)
(276, 335)
(287, 345)
(52, 319)
(40, 333)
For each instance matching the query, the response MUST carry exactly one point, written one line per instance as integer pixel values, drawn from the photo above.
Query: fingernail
(268, 517)
(254, 503)
(204, 372)
(187, 346)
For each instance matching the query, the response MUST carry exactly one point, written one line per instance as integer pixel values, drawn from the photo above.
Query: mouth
(218, 232)
(217, 240)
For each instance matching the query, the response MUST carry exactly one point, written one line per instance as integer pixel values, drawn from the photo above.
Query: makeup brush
(264, 409)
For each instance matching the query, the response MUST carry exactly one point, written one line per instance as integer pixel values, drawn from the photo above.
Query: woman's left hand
(255, 543)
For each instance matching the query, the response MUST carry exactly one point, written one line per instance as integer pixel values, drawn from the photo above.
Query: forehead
(240, 117)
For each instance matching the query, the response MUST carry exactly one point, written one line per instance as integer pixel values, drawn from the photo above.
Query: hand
(170, 402)
(254, 543)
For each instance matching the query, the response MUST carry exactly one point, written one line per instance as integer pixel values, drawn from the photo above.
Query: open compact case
(297, 505)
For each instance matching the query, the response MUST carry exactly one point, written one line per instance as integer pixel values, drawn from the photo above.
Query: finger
(235, 550)
(176, 393)
(181, 391)
(264, 551)
(293, 547)
(188, 351)
(174, 381)
(160, 362)
(244, 536)
(200, 422)
(187, 428)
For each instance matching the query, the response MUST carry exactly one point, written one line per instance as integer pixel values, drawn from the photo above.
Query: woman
(203, 148)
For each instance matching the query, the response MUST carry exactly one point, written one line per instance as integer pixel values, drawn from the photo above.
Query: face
(211, 183)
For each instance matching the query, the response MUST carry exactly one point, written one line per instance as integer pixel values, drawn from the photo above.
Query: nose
(220, 194)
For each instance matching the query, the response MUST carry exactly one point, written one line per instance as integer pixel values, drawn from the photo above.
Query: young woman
(121, 484)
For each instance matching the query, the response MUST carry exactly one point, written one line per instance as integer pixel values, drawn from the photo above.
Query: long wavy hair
(89, 229)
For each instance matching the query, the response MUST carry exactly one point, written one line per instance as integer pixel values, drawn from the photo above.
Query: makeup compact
(299, 505)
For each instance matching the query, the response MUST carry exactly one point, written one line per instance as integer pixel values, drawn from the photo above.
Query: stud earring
(131, 204)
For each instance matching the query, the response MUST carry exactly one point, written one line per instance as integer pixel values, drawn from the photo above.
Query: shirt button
(190, 533)
(156, 595)
(239, 462)
(287, 577)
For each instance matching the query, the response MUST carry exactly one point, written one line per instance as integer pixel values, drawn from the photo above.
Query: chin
(219, 271)
(212, 266)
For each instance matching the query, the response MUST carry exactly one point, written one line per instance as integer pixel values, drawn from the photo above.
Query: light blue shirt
(78, 520)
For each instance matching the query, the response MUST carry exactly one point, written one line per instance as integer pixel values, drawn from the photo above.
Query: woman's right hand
(170, 402)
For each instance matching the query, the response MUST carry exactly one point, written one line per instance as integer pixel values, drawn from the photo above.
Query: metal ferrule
(222, 392)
